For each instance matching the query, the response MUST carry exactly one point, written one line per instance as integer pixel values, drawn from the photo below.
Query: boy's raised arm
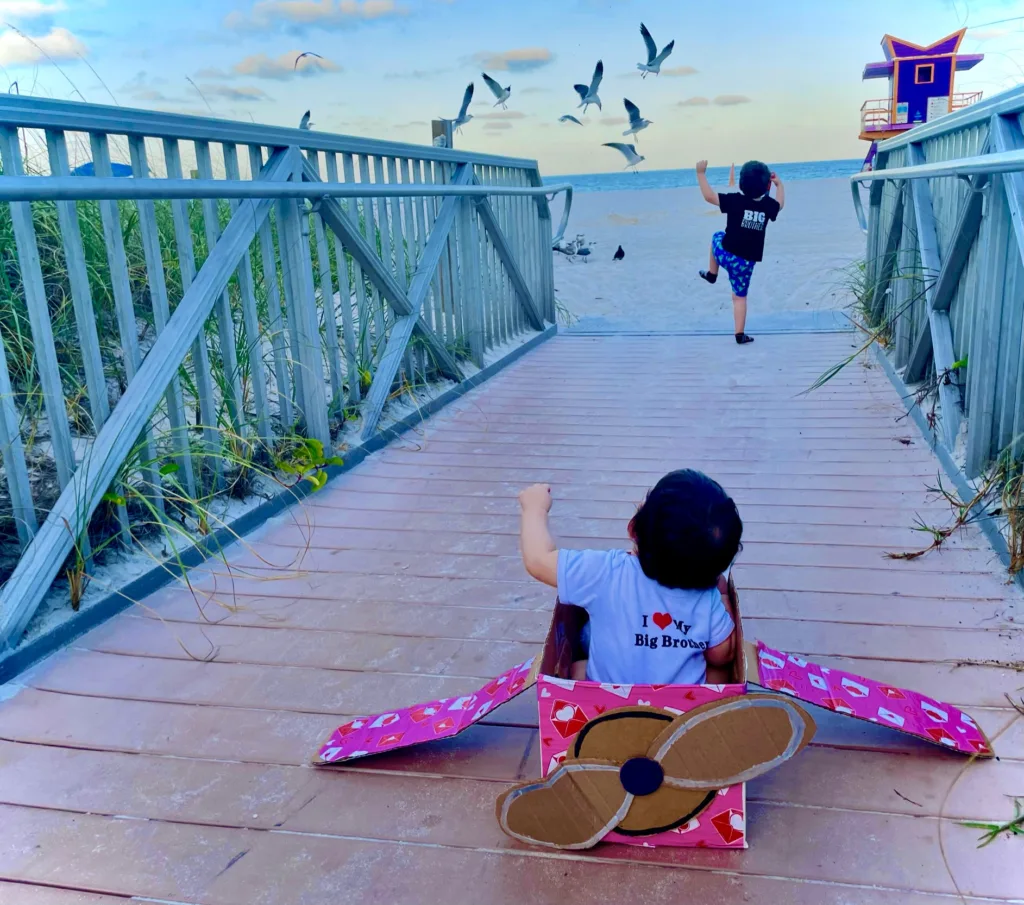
(540, 555)
(780, 191)
(710, 195)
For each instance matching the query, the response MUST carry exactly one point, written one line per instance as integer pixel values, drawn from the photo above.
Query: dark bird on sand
(619, 254)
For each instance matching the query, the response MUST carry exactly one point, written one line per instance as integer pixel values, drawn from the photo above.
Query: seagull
(464, 115)
(568, 118)
(587, 95)
(304, 123)
(308, 53)
(627, 151)
(584, 253)
(636, 122)
(502, 94)
(654, 59)
(619, 254)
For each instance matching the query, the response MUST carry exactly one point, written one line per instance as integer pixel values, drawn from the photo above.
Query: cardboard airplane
(655, 764)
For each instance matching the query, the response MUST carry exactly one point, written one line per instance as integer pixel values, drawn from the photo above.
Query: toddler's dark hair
(755, 177)
(687, 531)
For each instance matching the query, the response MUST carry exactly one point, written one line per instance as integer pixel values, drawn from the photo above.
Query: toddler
(741, 245)
(660, 614)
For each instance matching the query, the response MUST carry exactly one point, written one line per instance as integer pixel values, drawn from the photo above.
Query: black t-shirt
(744, 230)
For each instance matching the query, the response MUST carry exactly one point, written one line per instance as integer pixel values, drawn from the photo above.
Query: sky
(780, 81)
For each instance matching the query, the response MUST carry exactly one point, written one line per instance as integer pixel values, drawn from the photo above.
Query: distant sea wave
(718, 176)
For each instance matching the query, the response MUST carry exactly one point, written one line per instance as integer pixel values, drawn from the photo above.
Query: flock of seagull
(588, 96)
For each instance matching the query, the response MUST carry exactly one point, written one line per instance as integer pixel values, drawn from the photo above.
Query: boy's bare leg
(578, 671)
(739, 312)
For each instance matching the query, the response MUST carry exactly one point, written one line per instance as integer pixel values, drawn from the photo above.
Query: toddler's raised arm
(540, 555)
(710, 195)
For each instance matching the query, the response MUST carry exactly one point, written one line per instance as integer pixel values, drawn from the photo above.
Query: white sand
(666, 236)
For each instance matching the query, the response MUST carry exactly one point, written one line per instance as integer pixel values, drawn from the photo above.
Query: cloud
(730, 100)
(522, 59)
(987, 34)
(613, 120)
(678, 71)
(535, 89)
(280, 69)
(30, 9)
(296, 15)
(501, 114)
(694, 102)
(244, 93)
(58, 44)
(495, 126)
(417, 73)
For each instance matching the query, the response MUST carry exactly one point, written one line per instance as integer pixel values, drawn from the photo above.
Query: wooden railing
(294, 286)
(944, 271)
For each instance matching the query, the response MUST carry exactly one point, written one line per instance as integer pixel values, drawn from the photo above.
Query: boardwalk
(129, 768)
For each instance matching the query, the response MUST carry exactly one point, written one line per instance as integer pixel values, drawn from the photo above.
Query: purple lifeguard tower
(920, 86)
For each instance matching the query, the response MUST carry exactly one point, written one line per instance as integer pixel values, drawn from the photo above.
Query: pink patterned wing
(383, 732)
(565, 706)
(865, 699)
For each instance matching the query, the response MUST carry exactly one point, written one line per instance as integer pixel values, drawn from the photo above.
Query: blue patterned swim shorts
(739, 269)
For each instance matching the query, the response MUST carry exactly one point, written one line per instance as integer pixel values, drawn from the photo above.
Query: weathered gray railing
(427, 258)
(945, 269)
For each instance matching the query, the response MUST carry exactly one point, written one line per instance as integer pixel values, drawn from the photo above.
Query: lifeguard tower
(921, 86)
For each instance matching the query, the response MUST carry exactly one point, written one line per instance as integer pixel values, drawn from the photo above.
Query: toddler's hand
(775, 180)
(536, 497)
(702, 166)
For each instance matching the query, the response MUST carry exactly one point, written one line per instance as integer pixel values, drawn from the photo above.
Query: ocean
(718, 176)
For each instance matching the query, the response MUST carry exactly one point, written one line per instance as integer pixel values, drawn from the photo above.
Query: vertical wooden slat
(12, 454)
(383, 226)
(454, 278)
(345, 291)
(444, 325)
(308, 356)
(362, 309)
(78, 279)
(250, 317)
(275, 325)
(225, 319)
(200, 353)
(504, 310)
(469, 279)
(39, 318)
(412, 249)
(323, 255)
(373, 235)
(398, 250)
(161, 313)
(291, 293)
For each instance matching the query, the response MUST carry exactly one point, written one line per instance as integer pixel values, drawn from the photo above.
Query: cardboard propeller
(640, 770)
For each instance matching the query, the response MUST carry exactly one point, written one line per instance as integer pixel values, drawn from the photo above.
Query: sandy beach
(666, 234)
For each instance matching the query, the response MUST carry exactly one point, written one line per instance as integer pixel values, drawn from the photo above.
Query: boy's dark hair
(687, 531)
(755, 177)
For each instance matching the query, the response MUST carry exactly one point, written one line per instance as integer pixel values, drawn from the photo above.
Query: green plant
(993, 830)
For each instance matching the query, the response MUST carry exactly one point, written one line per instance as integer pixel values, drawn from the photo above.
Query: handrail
(987, 164)
(99, 188)
(74, 116)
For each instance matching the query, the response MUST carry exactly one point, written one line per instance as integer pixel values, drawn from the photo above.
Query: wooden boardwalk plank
(129, 766)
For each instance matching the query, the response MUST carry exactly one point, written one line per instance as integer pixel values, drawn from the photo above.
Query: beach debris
(619, 254)
(502, 94)
(654, 59)
(569, 118)
(636, 122)
(627, 151)
(304, 123)
(464, 115)
(588, 95)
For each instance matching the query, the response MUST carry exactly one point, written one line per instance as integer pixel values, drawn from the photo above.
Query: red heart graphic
(547, 741)
(599, 708)
(662, 620)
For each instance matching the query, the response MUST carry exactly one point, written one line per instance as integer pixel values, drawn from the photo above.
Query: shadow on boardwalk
(412, 589)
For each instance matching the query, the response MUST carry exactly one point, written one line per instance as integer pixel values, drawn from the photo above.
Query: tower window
(924, 73)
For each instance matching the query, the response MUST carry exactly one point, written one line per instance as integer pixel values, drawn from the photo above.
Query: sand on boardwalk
(666, 235)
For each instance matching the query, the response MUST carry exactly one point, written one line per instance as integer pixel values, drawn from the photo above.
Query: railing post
(469, 280)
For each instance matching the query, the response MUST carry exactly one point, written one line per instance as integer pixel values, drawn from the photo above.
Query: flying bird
(304, 123)
(636, 122)
(308, 53)
(569, 118)
(627, 151)
(502, 94)
(619, 254)
(588, 95)
(464, 115)
(654, 59)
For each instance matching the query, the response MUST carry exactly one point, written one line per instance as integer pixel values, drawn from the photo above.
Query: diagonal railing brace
(37, 568)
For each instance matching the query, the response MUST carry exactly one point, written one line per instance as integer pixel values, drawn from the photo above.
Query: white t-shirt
(641, 633)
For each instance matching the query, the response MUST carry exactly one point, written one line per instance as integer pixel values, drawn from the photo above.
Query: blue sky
(781, 81)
